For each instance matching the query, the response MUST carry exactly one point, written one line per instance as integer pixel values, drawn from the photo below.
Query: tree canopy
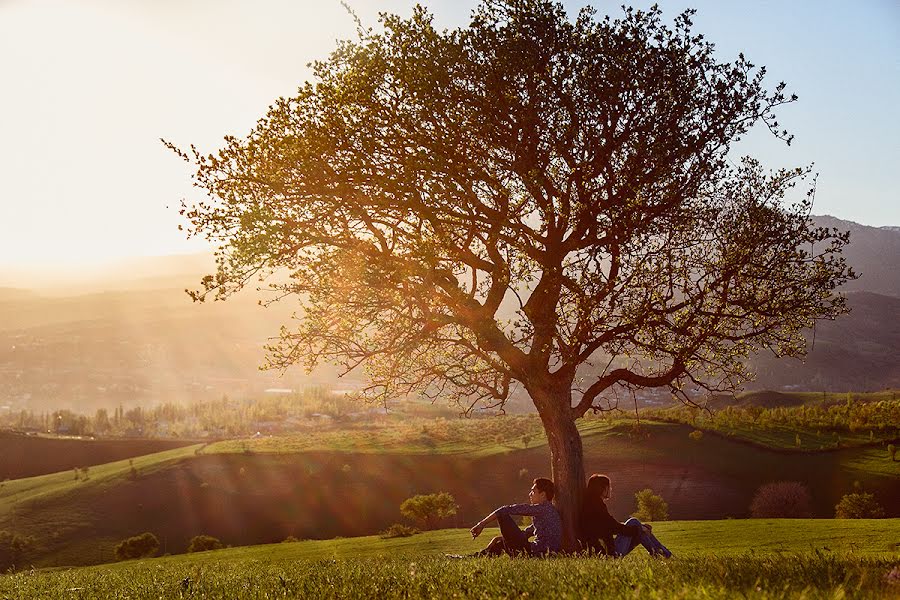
(532, 200)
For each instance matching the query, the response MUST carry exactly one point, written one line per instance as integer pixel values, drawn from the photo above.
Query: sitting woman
(597, 527)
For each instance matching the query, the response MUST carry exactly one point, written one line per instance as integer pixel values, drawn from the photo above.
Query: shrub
(398, 530)
(858, 506)
(696, 435)
(289, 540)
(650, 506)
(202, 543)
(429, 508)
(13, 549)
(139, 546)
(781, 500)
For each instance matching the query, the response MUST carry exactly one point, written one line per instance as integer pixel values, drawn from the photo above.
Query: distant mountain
(857, 352)
(138, 346)
(129, 334)
(873, 252)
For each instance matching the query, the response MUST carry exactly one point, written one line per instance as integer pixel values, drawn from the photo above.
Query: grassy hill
(249, 497)
(29, 455)
(721, 559)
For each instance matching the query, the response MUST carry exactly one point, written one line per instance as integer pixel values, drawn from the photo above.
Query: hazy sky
(87, 88)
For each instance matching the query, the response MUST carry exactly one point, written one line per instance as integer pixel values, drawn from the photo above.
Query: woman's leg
(646, 539)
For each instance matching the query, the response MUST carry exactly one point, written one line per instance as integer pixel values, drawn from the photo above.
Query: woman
(597, 526)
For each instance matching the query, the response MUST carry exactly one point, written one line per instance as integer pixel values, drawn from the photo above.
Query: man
(546, 525)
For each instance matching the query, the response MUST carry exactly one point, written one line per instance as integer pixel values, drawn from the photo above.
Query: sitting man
(546, 525)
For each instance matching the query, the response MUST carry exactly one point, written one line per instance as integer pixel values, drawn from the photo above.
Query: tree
(14, 548)
(531, 199)
(138, 546)
(650, 506)
(429, 508)
(858, 506)
(202, 543)
(781, 500)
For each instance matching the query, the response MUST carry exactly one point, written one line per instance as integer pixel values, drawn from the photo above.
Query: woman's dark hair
(597, 484)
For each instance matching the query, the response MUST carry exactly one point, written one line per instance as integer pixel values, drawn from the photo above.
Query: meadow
(758, 559)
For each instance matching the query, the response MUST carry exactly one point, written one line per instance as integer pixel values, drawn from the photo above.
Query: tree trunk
(566, 462)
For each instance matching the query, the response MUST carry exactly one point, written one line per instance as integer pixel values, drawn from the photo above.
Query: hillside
(873, 252)
(134, 347)
(131, 335)
(27, 455)
(857, 352)
(250, 498)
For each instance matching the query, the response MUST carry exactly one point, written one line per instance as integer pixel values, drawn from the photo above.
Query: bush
(429, 508)
(202, 543)
(781, 500)
(398, 530)
(858, 506)
(139, 546)
(696, 435)
(13, 549)
(650, 506)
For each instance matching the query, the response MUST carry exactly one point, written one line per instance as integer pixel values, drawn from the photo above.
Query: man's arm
(479, 527)
(510, 509)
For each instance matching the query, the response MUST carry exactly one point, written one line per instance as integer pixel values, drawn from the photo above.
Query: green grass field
(714, 559)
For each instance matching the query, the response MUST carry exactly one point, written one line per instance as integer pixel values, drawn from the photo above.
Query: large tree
(462, 212)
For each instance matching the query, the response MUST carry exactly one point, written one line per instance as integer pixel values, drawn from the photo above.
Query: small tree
(696, 435)
(139, 546)
(202, 543)
(398, 530)
(429, 508)
(13, 549)
(858, 506)
(781, 500)
(650, 506)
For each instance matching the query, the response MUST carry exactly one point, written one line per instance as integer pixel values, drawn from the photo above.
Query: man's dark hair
(596, 485)
(545, 485)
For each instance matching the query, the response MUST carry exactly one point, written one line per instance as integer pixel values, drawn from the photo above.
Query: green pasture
(714, 559)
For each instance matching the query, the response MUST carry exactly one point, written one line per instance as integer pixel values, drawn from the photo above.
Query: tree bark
(566, 461)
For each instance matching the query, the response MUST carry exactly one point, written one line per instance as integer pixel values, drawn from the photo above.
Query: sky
(88, 88)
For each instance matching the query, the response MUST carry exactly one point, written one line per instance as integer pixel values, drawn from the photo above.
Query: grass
(714, 559)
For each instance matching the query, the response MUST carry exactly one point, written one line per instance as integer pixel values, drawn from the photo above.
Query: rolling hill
(247, 498)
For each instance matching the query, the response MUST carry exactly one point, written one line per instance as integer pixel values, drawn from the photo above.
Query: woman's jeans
(626, 543)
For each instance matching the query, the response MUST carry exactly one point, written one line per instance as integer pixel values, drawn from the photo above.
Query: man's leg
(514, 538)
(495, 548)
